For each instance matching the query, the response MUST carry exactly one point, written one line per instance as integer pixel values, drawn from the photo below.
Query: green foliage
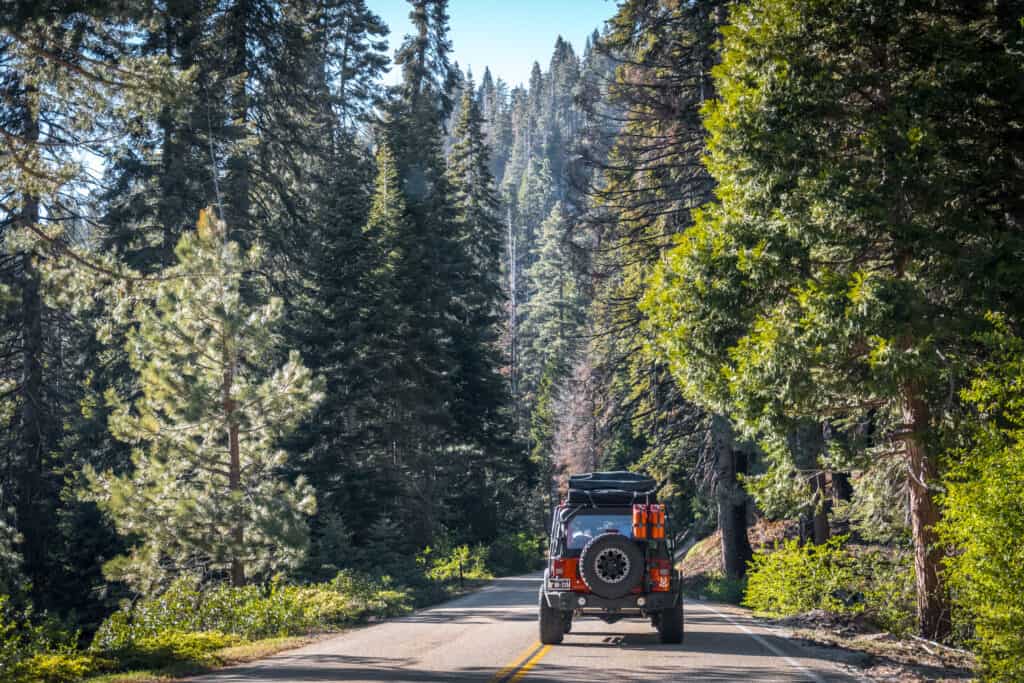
(59, 668)
(984, 515)
(793, 579)
(250, 612)
(852, 253)
(456, 563)
(173, 649)
(517, 553)
(41, 650)
(718, 587)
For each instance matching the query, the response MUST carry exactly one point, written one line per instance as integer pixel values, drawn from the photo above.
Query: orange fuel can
(656, 519)
(640, 522)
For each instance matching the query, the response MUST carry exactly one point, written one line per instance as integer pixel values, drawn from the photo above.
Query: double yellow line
(522, 665)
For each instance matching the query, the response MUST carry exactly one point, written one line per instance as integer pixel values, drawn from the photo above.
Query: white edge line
(789, 660)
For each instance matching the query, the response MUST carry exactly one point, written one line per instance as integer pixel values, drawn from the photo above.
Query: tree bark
(731, 500)
(819, 487)
(234, 467)
(238, 177)
(932, 609)
(32, 519)
(807, 443)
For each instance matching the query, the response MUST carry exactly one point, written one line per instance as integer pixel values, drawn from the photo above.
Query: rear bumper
(568, 601)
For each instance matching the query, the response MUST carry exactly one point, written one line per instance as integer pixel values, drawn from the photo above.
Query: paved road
(491, 635)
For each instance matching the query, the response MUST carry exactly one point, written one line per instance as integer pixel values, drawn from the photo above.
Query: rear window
(582, 528)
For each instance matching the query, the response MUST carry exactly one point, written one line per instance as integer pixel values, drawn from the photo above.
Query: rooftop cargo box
(611, 488)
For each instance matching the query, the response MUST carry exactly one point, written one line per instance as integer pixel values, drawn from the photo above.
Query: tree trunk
(30, 513)
(238, 533)
(234, 468)
(238, 177)
(819, 487)
(842, 489)
(807, 443)
(32, 518)
(731, 500)
(932, 610)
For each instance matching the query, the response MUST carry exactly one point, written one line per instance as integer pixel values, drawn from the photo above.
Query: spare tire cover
(611, 565)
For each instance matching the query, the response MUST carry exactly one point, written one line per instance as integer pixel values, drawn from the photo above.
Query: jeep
(610, 556)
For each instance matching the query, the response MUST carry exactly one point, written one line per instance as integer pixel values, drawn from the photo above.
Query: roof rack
(610, 489)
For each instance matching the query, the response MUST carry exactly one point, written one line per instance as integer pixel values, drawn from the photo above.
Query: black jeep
(611, 557)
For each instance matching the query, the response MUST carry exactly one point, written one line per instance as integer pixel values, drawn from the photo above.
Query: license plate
(558, 584)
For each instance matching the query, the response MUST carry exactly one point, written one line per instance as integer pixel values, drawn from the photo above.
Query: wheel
(670, 625)
(611, 565)
(567, 623)
(551, 623)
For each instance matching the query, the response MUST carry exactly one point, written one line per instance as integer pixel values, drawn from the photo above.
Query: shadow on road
(324, 668)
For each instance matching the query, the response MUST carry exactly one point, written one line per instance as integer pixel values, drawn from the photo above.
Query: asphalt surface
(492, 635)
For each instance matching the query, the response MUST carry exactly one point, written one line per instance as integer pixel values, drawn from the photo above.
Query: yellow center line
(530, 651)
(530, 664)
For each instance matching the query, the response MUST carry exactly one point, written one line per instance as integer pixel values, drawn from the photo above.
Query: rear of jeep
(610, 556)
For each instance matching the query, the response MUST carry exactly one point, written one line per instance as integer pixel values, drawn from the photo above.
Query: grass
(715, 586)
(227, 656)
(254, 650)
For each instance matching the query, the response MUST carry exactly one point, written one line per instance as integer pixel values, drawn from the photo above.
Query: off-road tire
(670, 625)
(552, 623)
(611, 565)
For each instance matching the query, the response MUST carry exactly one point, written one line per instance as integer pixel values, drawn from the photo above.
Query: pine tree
(555, 311)
(534, 203)
(206, 493)
(482, 405)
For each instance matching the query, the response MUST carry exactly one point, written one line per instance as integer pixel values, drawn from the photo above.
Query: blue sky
(506, 35)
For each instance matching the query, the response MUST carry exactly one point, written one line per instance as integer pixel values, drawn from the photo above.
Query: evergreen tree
(864, 230)
(555, 312)
(643, 84)
(483, 399)
(206, 493)
(65, 82)
(534, 204)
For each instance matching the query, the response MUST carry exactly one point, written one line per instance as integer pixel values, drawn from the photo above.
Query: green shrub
(517, 553)
(984, 516)
(445, 564)
(794, 579)
(60, 667)
(174, 649)
(718, 587)
(39, 651)
(250, 612)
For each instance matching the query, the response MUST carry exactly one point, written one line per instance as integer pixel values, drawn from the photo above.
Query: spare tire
(611, 565)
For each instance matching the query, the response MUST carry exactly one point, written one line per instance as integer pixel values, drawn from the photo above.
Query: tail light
(558, 568)
(661, 574)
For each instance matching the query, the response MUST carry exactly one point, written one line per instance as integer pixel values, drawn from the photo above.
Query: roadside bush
(517, 553)
(833, 577)
(795, 578)
(42, 652)
(249, 612)
(716, 586)
(174, 649)
(445, 564)
(984, 516)
(59, 668)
